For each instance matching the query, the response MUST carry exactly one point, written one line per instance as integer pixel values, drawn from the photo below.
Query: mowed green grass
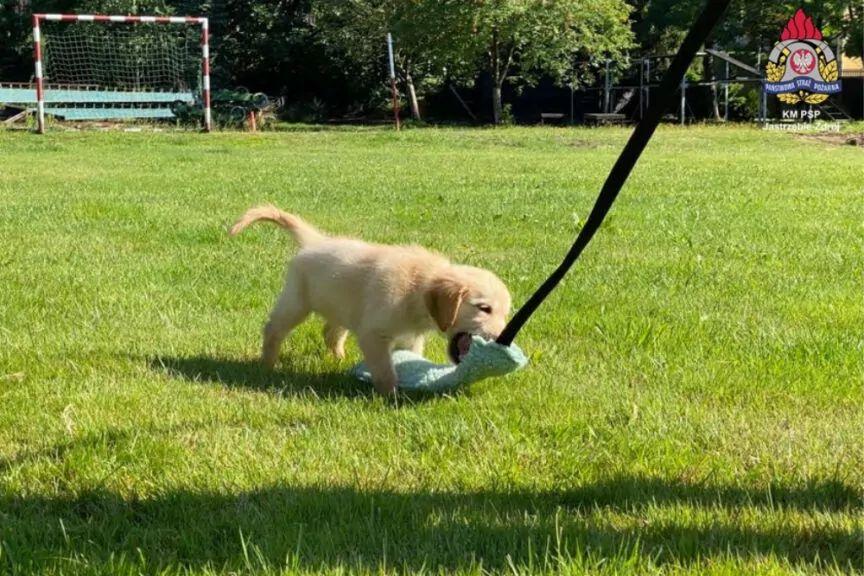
(693, 402)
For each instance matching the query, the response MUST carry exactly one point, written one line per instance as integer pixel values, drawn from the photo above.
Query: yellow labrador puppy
(388, 296)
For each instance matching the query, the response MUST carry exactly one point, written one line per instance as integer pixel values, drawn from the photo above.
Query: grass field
(693, 402)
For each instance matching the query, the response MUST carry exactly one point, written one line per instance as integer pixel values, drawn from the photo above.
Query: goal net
(120, 66)
(141, 57)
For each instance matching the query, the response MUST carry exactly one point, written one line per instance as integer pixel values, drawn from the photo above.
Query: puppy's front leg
(418, 344)
(376, 351)
(412, 342)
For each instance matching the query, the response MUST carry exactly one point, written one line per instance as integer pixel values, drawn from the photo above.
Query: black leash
(629, 156)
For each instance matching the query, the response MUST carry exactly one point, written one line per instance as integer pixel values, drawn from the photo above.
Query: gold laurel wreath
(789, 98)
(815, 98)
(828, 70)
(774, 72)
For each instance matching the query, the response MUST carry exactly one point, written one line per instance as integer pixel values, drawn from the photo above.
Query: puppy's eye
(485, 308)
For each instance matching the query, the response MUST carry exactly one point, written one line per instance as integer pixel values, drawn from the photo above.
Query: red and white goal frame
(167, 20)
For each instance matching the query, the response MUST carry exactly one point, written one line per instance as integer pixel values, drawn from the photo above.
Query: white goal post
(136, 72)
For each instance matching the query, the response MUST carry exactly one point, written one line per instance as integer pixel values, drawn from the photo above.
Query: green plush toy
(485, 359)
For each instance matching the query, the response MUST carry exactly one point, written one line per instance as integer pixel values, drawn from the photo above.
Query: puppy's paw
(268, 362)
(385, 388)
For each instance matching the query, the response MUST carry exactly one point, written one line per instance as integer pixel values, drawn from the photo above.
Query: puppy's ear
(443, 300)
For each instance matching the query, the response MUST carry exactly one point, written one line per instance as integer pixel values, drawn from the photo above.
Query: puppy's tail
(304, 234)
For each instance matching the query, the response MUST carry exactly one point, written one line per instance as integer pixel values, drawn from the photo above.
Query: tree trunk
(412, 96)
(497, 106)
(708, 76)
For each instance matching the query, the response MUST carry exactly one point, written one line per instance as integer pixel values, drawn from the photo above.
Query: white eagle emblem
(803, 61)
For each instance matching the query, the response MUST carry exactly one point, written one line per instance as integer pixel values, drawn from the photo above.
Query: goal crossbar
(103, 18)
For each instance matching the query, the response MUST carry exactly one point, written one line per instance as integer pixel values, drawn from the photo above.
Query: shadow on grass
(287, 380)
(332, 527)
(249, 374)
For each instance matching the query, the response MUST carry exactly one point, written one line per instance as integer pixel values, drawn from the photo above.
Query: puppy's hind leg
(289, 311)
(334, 338)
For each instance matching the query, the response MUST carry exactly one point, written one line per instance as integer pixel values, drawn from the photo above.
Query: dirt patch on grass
(837, 139)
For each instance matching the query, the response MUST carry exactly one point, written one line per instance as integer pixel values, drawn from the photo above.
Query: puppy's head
(463, 301)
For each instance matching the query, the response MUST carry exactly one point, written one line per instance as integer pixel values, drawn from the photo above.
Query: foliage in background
(354, 32)
(518, 41)
(328, 58)
(749, 25)
(515, 41)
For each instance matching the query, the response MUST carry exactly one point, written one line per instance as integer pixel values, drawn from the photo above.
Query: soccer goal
(95, 67)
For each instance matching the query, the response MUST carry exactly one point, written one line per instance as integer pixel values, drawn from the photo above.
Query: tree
(423, 46)
(512, 40)
(355, 30)
(518, 41)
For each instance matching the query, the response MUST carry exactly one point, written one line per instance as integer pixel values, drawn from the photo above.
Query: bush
(743, 102)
